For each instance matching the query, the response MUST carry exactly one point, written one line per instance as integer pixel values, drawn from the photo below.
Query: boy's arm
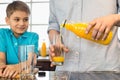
(2, 58)
(2, 62)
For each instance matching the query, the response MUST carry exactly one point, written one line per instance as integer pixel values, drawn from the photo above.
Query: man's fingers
(66, 50)
(88, 29)
(51, 48)
(106, 33)
(105, 36)
(100, 32)
(94, 33)
(90, 26)
(98, 35)
(96, 30)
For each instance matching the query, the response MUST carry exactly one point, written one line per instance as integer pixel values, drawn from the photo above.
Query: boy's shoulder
(2, 30)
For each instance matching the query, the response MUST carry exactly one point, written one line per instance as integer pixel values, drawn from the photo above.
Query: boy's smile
(18, 22)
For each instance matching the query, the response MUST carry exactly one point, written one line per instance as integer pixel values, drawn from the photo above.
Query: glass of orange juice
(58, 59)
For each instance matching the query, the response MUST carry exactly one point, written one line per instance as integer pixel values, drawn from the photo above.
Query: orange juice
(43, 50)
(58, 59)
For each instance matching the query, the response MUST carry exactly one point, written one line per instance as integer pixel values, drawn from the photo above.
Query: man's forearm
(117, 18)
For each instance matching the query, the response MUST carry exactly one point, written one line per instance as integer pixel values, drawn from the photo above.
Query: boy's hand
(2, 67)
(11, 71)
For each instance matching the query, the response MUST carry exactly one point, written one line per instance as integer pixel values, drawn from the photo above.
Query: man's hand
(52, 51)
(101, 26)
(52, 34)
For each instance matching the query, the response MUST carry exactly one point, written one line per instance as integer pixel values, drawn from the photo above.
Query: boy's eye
(26, 19)
(17, 20)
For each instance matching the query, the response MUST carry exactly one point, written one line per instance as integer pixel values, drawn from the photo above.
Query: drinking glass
(26, 61)
(58, 59)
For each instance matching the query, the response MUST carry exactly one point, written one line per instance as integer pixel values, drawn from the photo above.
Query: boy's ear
(7, 20)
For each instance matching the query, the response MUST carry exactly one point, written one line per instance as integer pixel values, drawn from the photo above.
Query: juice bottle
(43, 49)
(79, 30)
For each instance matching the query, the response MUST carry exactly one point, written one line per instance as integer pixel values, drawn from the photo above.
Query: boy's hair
(17, 6)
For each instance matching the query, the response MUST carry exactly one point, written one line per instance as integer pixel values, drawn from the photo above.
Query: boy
(18, 20)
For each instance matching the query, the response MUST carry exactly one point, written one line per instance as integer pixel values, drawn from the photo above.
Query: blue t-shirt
(9, 44)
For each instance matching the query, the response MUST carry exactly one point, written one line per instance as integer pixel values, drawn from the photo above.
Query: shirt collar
(24, 35)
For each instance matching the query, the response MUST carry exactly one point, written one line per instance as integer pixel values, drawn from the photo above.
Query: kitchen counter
(54, 75)
(95, 76)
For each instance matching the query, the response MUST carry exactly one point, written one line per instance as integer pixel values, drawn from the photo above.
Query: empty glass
(26, 61)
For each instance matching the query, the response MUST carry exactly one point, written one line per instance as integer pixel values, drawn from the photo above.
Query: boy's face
(18, 22)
